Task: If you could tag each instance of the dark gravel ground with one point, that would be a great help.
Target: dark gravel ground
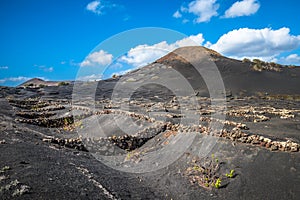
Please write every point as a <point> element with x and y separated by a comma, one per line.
<point>54,172</point>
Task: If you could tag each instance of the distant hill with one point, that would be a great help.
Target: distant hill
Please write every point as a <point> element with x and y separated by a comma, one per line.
<point>37,82</point>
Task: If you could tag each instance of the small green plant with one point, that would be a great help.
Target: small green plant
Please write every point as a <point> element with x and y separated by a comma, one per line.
<point>128,156</point>
<point>78,124</point>
<point>66,121</point>
<point>206,184</point>
<point>114,76</point>
<point>208,174</point>
<point>198,168</point>
<point>257,61</point>
<point>231,174</point>
<point>217,184</point>
<point>272,64</point>
<point>213,158</point>
<point>246,60</point>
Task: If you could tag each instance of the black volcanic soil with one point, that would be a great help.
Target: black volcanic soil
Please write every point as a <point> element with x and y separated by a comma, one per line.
<point>44,157</point>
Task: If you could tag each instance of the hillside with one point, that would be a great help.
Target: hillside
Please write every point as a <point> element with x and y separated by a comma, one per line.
<point>239,77</point>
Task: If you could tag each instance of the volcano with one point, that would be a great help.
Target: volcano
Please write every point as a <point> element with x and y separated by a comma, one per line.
<point>192,125</point>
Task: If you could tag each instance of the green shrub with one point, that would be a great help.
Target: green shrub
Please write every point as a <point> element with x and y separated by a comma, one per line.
<point>257,67</point>
<point>246,60</point>
<point>272,64</point>
<point>231,174</point>
<point>256,60</point>
<point>114,76</point>
<point>63,83</point>
<point>217,183</point>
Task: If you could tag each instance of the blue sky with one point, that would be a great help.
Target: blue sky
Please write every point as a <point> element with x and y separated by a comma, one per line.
<point>52,39</point>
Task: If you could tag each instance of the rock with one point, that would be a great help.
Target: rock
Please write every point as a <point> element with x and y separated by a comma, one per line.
<point>293,169</point>
<point>243,139</point>
<point>268,144</point>
<point>255,141</point>
<point>294,148</point>
<point>47,140</point>
<point>263,144</point>
<point>131,80</point>
<point>267,140</point>
<point>274,147</point>
<point>261,138</point>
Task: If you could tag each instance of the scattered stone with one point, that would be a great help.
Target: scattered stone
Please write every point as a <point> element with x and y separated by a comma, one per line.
<point>293,169</point>
<point>74,143</point>
<point>128,142</point>
<point>22,190</point>
<point>255,141</point>
<point>274,147</point>
<point>2,177</point>
<point>131,80</point>
<point>268,145</point>
<point>294,148</point>
<point>263,144</point>
<point>4,169</point>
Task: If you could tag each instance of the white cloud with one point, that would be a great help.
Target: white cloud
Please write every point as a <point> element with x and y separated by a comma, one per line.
<point>116,66</point>
<point>184,21</point>
<point>193,40</point>
<point>121,72</point>
<point>98,58</point>
<point>46,69</point>
<point>293,59</point>
<point>50,69</point>
<point>126,18</point>
<point>14,79</point>
<point>3,67</point>
<point>177,14</point>
<point>70,62</point>
<point>20,78</point>
<point>143,54</point>
<point>99,6</point>
<point>95,7</point>
<point>242,8</point>
<point>204,10</point>
<point>73,63</point>
<point>93,77</point>
<point>263,43</point>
